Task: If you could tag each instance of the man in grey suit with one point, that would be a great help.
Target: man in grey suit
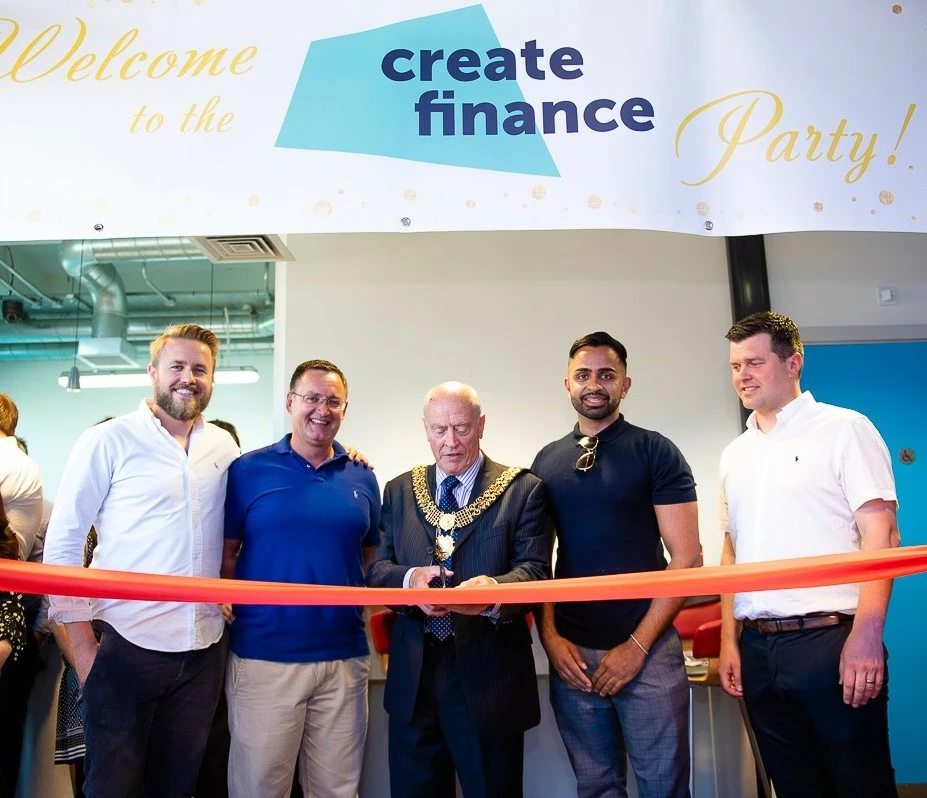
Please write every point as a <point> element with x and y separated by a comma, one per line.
<point>461,688</point>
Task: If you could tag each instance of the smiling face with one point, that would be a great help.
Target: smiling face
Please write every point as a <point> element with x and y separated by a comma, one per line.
<point>454,426</point>
<point>596,381</point>
<point>182,378</point>
<point>764,381</point>
<point>315,421</point>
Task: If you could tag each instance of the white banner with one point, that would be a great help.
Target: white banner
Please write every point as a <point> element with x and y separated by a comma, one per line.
<point>718,117</point>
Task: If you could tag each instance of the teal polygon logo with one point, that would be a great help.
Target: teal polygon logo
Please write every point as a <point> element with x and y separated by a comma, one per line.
<point>343,102</point>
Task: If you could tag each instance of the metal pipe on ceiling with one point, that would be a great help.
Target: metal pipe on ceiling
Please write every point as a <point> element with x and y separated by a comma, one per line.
<point>65,351</point>
<point>71,253</point>
<point>241,324</point>
<point>31,286</point>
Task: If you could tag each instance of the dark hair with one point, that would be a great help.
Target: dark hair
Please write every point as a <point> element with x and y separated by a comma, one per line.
<point>9,543</point>
<point>229,428</point>
<point>601,339</point>
<point>9,415</point>
<point>24,447</point>
<point>785,340</point>
<point>317,365</point>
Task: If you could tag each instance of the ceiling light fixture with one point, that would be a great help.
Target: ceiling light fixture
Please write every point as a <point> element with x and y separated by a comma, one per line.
<point>244,375</point>
<point>71,381</point>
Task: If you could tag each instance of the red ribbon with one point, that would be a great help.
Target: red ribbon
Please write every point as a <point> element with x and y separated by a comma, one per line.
<point>863,566</point>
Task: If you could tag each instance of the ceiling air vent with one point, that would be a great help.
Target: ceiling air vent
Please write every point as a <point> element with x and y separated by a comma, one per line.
<point>244,249</point>
<point>106,353</point>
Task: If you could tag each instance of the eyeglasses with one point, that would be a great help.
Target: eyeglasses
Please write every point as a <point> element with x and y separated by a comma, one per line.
<point>586,460</point>
<point>314,400</point>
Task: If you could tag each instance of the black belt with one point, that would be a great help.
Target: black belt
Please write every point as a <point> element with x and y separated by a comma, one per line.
<point>799,623</point>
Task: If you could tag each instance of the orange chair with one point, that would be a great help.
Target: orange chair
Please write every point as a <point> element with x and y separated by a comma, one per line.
<point>381,629</point>
<point>691,617</point>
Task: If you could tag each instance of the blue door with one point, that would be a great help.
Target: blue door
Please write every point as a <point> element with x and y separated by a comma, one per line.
<point>888,383</point>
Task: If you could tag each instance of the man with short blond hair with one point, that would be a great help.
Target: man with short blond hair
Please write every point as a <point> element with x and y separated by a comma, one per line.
<point>153,484</point>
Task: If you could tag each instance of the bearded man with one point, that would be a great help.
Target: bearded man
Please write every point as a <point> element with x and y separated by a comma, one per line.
<point>153,484</point>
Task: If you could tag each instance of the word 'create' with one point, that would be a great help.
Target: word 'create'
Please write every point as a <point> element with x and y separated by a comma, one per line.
<point>466,65</point>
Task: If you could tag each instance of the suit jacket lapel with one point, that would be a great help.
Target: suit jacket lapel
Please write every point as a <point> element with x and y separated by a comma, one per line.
<point>487,473</point>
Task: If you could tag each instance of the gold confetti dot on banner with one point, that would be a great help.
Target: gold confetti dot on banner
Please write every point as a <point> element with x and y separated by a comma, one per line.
<point>470,203</point>
<point>891,160</point>
<point>818,207</point>
<point>34,215</point>
<point>632,208</point>
<point>91,4</point>
<point>410,194</point>
<point>702,209</point>
<point>539,192</point>
<point>254,200</point>
<point>322,208</point>
<point>166,217</point>
<point>594,201</point>
<point>897,9</point>
<point>886,197</point>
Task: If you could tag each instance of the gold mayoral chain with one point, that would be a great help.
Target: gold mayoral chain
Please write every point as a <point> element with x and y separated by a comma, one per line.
<point>465,515</point>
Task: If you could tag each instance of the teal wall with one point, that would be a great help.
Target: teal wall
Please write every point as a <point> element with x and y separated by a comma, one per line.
<point>888,383</point>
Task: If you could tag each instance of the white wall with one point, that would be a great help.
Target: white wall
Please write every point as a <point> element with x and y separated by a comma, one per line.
<point>50,419</point>
<point>399,313</point>
<point>831,279</point>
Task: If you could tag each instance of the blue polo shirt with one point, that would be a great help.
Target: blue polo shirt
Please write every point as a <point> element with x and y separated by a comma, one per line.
<point>302,525</point>
<point>606,523</point>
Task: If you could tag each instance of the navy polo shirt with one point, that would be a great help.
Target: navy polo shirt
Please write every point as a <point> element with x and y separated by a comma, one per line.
<point>302,525</point>
<point>606,523</point>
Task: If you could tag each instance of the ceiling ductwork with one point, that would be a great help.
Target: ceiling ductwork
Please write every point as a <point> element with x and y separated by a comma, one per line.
<point>243,320</point>
<point>107,292</point>
<point>63,351</point>
<point>141,326</point>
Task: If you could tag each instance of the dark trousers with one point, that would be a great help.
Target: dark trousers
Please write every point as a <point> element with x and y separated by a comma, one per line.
<point>146,718</point>
<point>15,688</point>
<point>424,755</point>
<point>213,778</point>
<point>813,745</point>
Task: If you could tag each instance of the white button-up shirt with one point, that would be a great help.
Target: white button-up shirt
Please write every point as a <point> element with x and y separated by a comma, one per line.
<point>157,509</point>
<point>21,490</point>
<point>793,492</point>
